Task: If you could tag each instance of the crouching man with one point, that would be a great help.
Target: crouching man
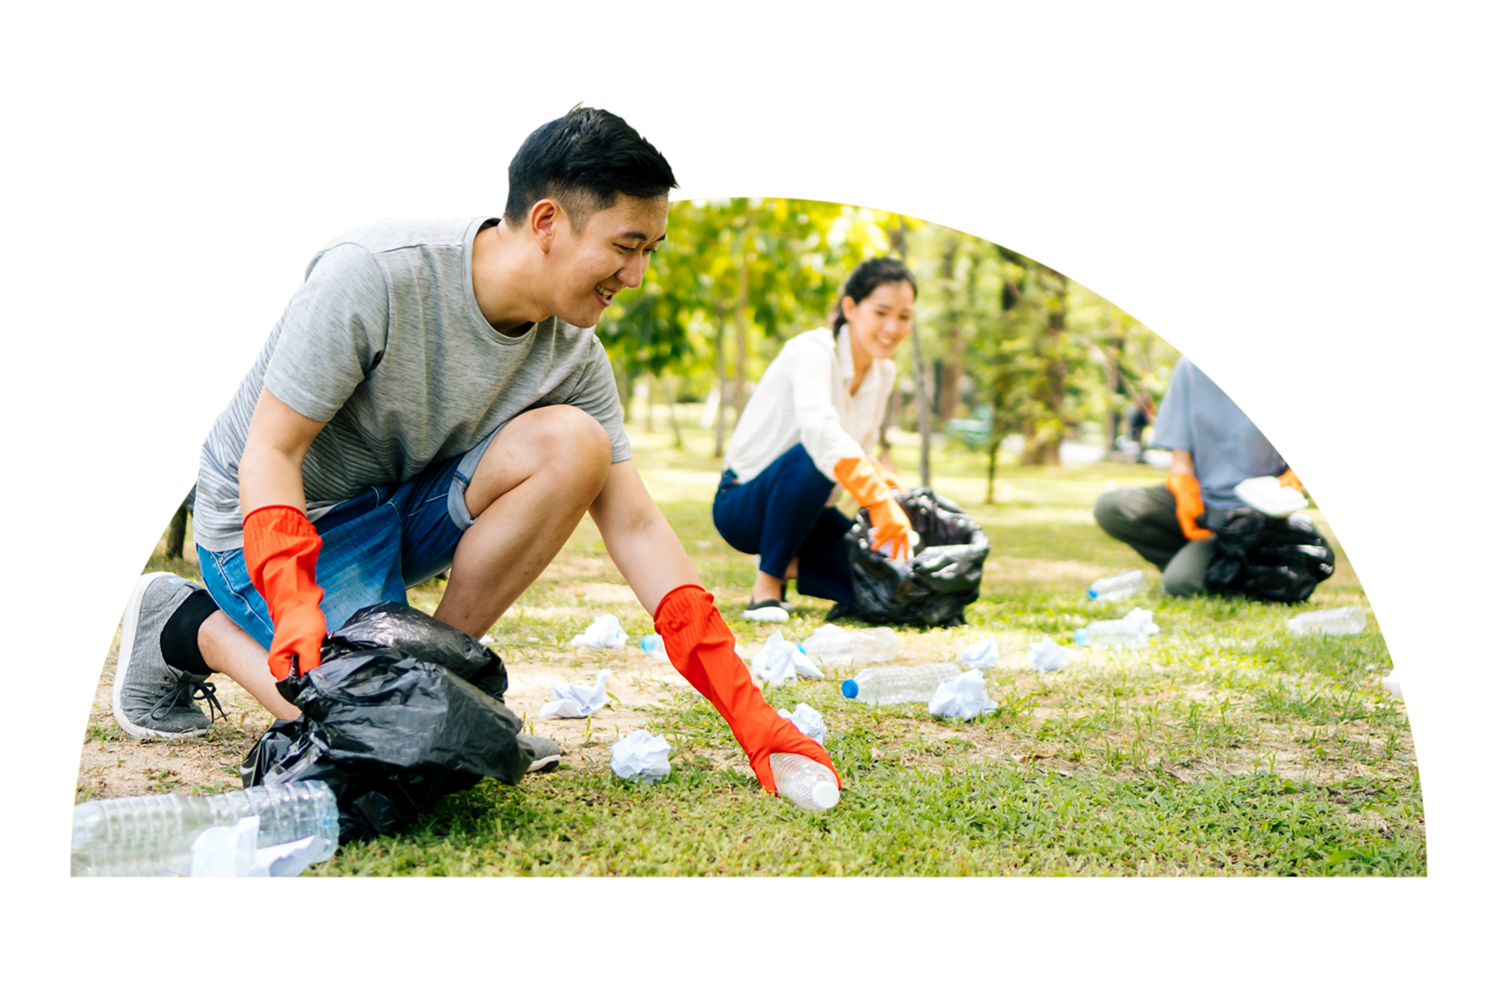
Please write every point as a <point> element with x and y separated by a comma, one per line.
<point>433,398</point>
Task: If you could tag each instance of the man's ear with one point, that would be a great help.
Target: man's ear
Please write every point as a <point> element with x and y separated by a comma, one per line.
<point>546,219</point>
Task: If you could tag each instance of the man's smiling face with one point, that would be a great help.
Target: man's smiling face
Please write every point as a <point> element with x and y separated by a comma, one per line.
<point>610,254</point>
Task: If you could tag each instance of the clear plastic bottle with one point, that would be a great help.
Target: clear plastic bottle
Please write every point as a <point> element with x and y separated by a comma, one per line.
<point>653,644</point>
<point>1117,587</point>
<point>154,834</point>
<point>1335,621</point>
<point>895,685</point>
<point>830,645</point>
<point>1132,631</point>
<point>805,782</point>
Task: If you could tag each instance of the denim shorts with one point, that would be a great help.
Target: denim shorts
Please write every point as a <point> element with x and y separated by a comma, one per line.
<point>375,545</point>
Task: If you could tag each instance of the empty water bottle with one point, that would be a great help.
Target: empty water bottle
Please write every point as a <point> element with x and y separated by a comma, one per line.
<point>154,834</point>
<point>895,685</point>
<point>831,645</point>
<point>804,781</point>
<point>1132,631</point>
<point>652,643</point>
<point>1336,621</point>
<point>1117,587</point>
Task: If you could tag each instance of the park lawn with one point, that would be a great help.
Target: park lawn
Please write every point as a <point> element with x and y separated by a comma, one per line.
<point>1228,746</point>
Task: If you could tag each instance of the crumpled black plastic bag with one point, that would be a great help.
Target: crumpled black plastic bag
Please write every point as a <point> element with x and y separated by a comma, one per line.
<point>1272,559</point>
<point>401,711</point>
<point>941,579</point>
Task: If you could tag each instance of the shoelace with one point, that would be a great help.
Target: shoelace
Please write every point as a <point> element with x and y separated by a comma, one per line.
<point>196,691</point>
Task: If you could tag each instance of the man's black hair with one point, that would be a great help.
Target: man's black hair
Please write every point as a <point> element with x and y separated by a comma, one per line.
<point>584,160</point>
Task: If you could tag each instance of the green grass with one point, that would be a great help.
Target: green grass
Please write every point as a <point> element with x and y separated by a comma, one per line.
<point>1228,746</point>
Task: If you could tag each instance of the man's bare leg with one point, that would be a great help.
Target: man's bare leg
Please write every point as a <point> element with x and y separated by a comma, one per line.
<point>229,650</point>
<point>532,487</point>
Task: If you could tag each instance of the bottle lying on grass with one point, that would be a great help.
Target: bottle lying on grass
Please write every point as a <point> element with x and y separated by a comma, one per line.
<point>1117,587</point>
<point>157,834</point>
<point>896,685</point>
<point>804,782</point>
<point>1132,631</point>
<point>1335,621</point>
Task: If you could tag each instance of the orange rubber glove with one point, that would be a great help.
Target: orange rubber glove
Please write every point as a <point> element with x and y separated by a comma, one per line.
<point>887,476</point>
<point>281,553</point>
<point>700,644</point>
<point>1289,478</point>
<point>1189,505</point>
<point>890,522</point>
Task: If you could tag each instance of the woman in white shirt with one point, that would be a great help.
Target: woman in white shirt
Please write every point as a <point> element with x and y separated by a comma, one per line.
<point>809,428</point>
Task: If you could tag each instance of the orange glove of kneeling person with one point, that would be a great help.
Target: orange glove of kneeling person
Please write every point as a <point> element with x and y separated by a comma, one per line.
<point>1189,505</point>
<point>281,553</point>
<point>1289,478</point>
<point>700,645</point>
<point>889,521</point>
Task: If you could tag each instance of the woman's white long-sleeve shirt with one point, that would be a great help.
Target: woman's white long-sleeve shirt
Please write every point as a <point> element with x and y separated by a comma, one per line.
<point>804,398</point>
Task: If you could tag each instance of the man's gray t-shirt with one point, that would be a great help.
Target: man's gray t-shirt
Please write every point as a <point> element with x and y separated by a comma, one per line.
<point>1227,449</point>
<point>385,342</point>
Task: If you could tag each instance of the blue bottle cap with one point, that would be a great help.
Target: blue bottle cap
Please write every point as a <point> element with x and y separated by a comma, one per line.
<point>1081,636</point>
<point>1093,594</point>
<point>851,688</point>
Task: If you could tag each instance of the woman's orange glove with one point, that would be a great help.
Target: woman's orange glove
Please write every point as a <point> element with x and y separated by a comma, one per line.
<point>1289,478</point>
<point>887,476</point>
<point>700,645</point>
<point>281,553</point>
<point>889,521</point>
<point>1189,505</point>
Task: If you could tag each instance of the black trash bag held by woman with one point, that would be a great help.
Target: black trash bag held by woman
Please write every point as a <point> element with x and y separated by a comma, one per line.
<point>401,710</point>
<point>1273,559</point>
<point>940,580</point>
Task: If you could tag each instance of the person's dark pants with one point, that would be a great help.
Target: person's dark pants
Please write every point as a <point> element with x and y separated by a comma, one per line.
<point>1146,520</point>
<point>783,513</point>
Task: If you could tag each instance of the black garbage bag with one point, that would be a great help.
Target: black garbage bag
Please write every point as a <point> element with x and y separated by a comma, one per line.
<point>1272,559</point>
<point>401,711</point>
<point>941,579</point>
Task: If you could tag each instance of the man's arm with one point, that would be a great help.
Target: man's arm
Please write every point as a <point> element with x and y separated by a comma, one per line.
<point>281,546</point>
<point>698,642</point>
<point>275,445</point>
<point>1182,464</point>
<point>642,544</point>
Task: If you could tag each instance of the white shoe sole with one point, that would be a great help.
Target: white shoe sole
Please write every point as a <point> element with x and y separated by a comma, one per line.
<point>122,665</point>
<point>767,615</point>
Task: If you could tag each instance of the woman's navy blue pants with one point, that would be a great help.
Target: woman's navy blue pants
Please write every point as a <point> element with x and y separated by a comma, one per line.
<point>782,513</point>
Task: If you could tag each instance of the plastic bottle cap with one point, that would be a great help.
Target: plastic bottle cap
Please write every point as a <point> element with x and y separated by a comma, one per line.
<point>851,688</point>
<point>825,794</point>
<point>1081,636</point>
<point>1093,594</point>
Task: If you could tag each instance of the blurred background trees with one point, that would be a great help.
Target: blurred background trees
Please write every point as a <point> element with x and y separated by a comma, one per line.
<point>1017,359</point>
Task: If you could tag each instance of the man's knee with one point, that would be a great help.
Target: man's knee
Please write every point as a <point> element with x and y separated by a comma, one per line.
<point>565,441</point>
<point>1109,512</point>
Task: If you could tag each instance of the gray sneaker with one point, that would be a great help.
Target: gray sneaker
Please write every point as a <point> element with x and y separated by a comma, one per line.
<point>153,700</point>
<point>545,754</point>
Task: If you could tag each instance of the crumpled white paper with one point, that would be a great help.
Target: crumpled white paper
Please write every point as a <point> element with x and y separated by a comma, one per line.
<point>604,633</point>
<point>1048,655</point>
<point>780,661</point>
<point>808,720</point>
<point>981,655</point>
<point>642,756</point>
<point>1140,619</point>
<point>962,698</point>
<point>574,701</point>
<point>231,851</point>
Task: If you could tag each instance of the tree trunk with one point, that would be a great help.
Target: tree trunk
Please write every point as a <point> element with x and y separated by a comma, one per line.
<point>952,371</point>
<point>671,387</point>
<point>1044,437</point>
<point>177,532</point>
<point>650,403</point>
<point>989,488</point>
<point>723,386</point>
<point>924,405</point>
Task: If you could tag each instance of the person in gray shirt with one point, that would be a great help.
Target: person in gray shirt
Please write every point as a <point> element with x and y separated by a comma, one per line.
<point>434,399</point>
<point>1215,447</point>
